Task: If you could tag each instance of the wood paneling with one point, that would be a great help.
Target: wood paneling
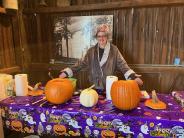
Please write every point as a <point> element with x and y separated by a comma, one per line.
<point>99,4</point>
<point>11,70</point>
<point>148,33</point>
<point>7,50</point>
<point>158,77</point>
<point>102,7</point>
<point>10,51</point>
<point>143,35</point>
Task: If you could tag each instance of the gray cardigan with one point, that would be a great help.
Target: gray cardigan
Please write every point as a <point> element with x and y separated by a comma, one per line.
<point>111,61</point>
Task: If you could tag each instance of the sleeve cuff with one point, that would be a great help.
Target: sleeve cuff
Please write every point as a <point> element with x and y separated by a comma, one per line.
<point>132,76</point>
<point>65,73</point>
<point>128,73</point>
<point>68,72</point>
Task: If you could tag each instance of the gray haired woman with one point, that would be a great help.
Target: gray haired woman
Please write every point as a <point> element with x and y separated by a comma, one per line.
<point>102,60</point>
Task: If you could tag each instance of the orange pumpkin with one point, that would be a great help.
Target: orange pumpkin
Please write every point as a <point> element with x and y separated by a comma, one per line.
<point>58,90</point>
<point>125,94</point>
<point>59,129</point>
<point>16,125</point>
<point>107,134</point>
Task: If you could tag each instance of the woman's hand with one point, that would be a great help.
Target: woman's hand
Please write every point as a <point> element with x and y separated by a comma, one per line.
<point>139,81</point>
<point>62,75</point>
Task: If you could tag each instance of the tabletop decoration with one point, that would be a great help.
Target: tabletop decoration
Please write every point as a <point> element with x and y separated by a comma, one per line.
<point>36,91</point>
<point>89,97</point>
<point>179,96</point>
<point>155,103</point>
<point>125,94</point>
<point>59,91</point>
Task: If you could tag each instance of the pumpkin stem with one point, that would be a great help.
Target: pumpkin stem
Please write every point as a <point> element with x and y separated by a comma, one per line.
<point>37,85</point>
<point>91,86</point>
<point>154,97</point>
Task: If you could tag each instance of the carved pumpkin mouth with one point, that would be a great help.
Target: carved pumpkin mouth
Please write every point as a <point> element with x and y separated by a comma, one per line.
<point>60,131</point>
<point>107,134</point>
<point>16,128</point>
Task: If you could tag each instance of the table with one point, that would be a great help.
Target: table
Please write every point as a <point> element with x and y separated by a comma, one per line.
<point>34,115</point>
<point>1,128</point>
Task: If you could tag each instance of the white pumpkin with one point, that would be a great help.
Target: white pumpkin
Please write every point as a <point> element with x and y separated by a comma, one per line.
<point>88,97</point>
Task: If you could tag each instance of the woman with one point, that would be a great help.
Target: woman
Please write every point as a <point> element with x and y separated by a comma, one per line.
<point>102,60</point>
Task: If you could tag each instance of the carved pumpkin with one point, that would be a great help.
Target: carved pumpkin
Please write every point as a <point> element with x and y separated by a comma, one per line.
<point>155,103</point>
<point>59,91</point>
<point>125,94</point>
<point>59,129</point>
<point>108,134</point>
<point>89,97</point>
<point>16,125</point>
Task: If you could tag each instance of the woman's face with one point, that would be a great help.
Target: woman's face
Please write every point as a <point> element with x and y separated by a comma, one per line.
<point>102,38</point>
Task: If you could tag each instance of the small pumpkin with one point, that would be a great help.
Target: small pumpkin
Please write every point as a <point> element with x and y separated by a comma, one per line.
<point>35,91</point>
<point>125,94</point>
<point>59,129</point>
<point>59,91</point>
<point>89,97</point>
<point>107,134</point>
<point>155,103</point>
<point>16,125</point>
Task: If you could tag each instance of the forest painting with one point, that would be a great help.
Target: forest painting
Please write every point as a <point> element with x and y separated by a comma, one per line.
<point>75,35</point>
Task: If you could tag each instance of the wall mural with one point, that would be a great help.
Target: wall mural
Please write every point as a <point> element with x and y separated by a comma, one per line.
<point>75,35</point>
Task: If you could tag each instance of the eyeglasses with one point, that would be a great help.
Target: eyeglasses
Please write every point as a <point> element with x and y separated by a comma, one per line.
<point>101,36</point>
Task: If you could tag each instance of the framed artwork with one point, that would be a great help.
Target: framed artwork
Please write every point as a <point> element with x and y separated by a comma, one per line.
<point>75,35</point>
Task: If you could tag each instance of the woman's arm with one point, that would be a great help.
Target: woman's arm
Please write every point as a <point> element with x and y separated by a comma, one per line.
<point>68,72</point>
<point>126,70</point>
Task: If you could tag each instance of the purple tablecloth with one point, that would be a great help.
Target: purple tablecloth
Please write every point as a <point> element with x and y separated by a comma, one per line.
<point>26,115</point>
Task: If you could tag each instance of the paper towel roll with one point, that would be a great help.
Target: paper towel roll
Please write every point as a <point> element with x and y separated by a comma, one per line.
<point>109,82</point>
<point>21,85</point>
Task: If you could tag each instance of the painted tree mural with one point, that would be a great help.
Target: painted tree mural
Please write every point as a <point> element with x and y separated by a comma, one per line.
<point>61,32</point>
<point>75,35</point>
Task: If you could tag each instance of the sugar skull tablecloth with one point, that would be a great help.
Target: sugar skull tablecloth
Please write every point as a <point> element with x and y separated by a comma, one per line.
<point>35,115</point>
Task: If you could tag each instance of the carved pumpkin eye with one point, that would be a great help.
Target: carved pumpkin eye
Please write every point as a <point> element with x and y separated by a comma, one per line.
<point>106,123</point>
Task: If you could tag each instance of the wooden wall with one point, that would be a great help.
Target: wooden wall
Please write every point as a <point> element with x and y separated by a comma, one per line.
<point>144,35</point>
<point>7,55</point>
<point>148,33</point>
<point>10,53</point>
<point>53,3</point>
<point>161,78</point>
